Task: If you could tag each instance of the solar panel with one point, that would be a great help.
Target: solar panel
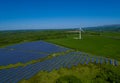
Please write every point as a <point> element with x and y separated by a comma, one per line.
<point>93,60</point>
<point>77,61</point>
<point>106,60</point>
<point>68,61</point>
<point>7,74</point>
<point>83,60</point>
<point>69,65</point>
<point>116,63</point>
<point>32,72</point>
<point>97,60</point>
<point>101,60</point>
<point>25,52</point>
<point>111,61</point>
<point>88,60</point>
<point>14,75</point>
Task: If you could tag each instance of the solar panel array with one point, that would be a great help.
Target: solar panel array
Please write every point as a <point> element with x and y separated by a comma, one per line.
<point>25,52</point>
<point>14,75</point>
<point>38,46</point>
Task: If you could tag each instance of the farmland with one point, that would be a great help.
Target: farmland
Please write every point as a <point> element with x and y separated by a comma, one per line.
<point>94,59</point>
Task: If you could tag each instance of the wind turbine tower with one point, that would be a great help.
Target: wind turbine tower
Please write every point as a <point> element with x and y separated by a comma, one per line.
<point>80,34</point>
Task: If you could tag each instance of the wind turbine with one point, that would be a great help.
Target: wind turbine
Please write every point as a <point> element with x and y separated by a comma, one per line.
<point>80,33</point>
<point>79,30</point>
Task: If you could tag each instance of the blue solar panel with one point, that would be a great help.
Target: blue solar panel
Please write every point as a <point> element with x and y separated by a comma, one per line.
<point>106,60</point>
<point>14,75</point>
<point>111,61</point>
<point>7,74</point>
<point>97,60</point>
<point>33,71</point>
<point>69,66</point>
<point>93,60</point>
<point>116,63</point>
<point>101,60</point>
<point>88,60</point>
<point>28,51</point>
<point>77,60</point>
<point>82,61</point>
<point>39,46</point>
<point>68,61</point>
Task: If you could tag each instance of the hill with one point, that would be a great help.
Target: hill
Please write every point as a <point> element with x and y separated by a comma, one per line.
<point>105,28</point>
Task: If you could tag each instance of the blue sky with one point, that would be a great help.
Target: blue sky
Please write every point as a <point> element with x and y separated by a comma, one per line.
<point>42,14</point>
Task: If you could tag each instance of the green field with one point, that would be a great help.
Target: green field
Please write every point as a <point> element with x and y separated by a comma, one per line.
<point>93,44</point>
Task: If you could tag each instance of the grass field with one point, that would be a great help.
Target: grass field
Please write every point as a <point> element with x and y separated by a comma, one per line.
<point>92,44</point>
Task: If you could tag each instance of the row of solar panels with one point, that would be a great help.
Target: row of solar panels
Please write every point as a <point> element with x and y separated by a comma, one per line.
<point>14,75</point>
<point>28,51</point>
<point>13,59</point>
<point>38,46</point>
